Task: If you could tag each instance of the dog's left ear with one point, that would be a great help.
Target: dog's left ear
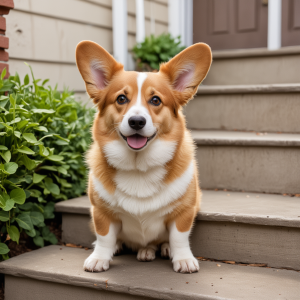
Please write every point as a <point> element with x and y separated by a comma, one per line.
<point>187,70</point>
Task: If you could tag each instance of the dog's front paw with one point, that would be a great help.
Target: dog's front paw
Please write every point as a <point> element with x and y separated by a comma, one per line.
<point>146,254</point>
<point>93,264</point>
<point>189,265</point>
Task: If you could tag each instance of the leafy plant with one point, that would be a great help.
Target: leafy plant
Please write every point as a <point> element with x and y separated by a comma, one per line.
<point>43,134</point>
<point>155,50</point>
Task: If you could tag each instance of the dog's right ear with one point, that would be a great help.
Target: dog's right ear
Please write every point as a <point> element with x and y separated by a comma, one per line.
<point>96,67</point>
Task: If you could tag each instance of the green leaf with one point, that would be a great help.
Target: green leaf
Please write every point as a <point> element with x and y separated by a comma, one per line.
<point>18,196</point>
<point>31,233</point>
<point>62,170</point>
<point>39,241</point>
<point>16,120</point>
<point>6,156</point>
<point>4,216</point>
<point>9,168</point>
<point>38,178</point>
<point>41,128</point>
<point>30,138</point>
<point>52,187</point>
<point>2,76</point>
<point>43,151</point>
<point>17,134</point>
<point>3,148</point>
<point>26,150</point>
<point>29,163</point>
<point>49,168</point>
<point>43,111</point>
<point>14,233</point>
<point>36,217</point>
<point>55,157</point>
<point>3,248</point>
<point>22,124</point>
<point>26,206</point>
<point>26,79</point>
<point>9,204</point>
<point>24,221</point>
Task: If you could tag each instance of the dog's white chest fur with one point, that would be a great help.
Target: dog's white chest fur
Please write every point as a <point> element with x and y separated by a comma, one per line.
<point>141,198</point>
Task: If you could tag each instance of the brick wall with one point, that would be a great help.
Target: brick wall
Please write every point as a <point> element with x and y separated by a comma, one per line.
<point>5,7</point>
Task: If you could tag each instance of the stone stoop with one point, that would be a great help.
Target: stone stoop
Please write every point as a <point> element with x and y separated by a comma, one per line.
<point>243,227</point>
<point>55,272</point>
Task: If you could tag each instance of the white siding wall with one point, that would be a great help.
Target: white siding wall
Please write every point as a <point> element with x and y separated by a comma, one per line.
<point>44,33</point>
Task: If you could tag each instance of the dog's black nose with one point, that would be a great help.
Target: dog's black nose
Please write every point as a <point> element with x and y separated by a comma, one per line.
<point>137,122</point>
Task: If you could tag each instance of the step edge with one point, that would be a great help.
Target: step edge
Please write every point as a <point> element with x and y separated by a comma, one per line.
<point>217,217</point>
<point>255,52</point>
<point>249,219</point>
<point>234,138</point>
<point>248,89</point>
<point>98,285</point>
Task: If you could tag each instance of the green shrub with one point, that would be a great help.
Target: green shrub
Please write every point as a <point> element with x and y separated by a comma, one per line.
<point>43,134</point>
<point>155,50</point>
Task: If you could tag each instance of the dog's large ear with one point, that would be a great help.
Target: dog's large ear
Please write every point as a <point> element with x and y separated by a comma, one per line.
<point>187,70</point>
<point>96,67</point>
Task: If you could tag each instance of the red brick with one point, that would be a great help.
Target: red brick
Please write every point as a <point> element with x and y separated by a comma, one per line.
<point>2,66</point>
<point>3,55</point>
<point>3,42</point>
<point>7,3</point>
<point>2,23</point>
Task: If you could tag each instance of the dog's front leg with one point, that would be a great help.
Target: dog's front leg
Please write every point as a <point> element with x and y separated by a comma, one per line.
<point>182,256</point>
<point>105,246</point>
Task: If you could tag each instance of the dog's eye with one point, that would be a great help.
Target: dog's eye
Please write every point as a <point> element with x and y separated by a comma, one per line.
<point>122,99</point>
<point>155,101</point>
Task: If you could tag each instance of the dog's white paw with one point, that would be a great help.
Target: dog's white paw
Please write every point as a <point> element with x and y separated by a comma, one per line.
<point>165,250</point>
<point>146,254</point>
<point>189,265</point>
<point>93,264</point>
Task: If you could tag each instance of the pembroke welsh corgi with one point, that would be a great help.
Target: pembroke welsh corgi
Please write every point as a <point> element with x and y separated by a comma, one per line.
<point>143,180</point>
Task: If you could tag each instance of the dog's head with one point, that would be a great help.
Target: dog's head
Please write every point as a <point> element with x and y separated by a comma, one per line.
<point>140,107</point>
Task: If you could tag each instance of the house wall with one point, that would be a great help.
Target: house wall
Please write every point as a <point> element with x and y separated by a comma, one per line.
<point>45,33</point>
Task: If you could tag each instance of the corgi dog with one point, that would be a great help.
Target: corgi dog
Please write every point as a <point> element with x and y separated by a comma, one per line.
<point>143,180</point>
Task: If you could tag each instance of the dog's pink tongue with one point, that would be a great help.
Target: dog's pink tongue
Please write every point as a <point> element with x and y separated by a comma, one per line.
<point>136,141</point>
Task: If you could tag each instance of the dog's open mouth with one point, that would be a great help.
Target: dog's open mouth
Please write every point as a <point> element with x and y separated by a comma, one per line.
<point>137,141</point>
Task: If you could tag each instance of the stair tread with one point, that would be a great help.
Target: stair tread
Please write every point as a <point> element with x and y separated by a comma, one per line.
<point>250,208</point>
<point>249,89</point>
<point>156,279</point>
<point>220,137</point>
<point>255,52</point>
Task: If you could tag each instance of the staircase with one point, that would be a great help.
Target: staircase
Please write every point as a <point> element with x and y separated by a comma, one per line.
<point>245,121</point>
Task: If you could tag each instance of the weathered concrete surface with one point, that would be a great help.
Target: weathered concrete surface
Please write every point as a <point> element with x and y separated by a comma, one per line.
<point>250,208</point>
<point>254,67</point>
<point>80,205</point>
<point>228,228</point>
<point>272,245</point>
<point>76,229</point>
<point>156,279</point>
<point>256,169</point>
<point>234,108</point>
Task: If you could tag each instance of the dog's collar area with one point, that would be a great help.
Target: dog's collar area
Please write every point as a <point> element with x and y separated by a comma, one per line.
<point>148,139</point>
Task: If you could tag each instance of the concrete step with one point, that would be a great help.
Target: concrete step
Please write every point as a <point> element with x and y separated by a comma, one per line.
<point>244,227</point>
<point>255,66</point>
<point>267,108</point>
<point>56,272</point>
<point>248,161</point>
